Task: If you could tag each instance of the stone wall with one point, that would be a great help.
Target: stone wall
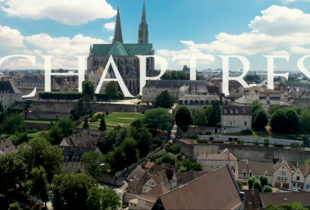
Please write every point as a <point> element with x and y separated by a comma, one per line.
<point>38,126</point>
<point>245,152</point>
<point>195,130</point>
<point>61,109</point>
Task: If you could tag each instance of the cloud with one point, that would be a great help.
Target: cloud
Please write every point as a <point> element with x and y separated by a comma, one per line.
<point>109,26</point>
<point>71,12</point>
<point>278,27</point>
<point>21,63</point>
<point>10,38</point>
<point>28,52</point>
<point>111,38</point>
<point>299,50</point>
<point>63,46</point>
<point>280,52</point>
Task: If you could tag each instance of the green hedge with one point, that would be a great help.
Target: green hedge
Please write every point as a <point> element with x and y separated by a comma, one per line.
<point>65,95</point>
<point>292,137</point>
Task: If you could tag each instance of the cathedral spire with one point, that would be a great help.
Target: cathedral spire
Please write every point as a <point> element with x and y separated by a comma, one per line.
<point>118,29</point>
<point>143,28</point>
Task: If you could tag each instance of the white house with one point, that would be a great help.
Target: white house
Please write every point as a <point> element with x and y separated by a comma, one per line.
<point>236,118</point>
<point>282,175</point>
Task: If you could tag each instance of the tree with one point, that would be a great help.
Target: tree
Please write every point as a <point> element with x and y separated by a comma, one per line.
<point>189,165</point>
<point>111,89</point>
<point>86,124</point>
<point>68,127</point>
<point>14,206</point>
<point>260,120</point>
<point>110,199</point>
<point>88,88</point>
<point>239,184</point>
<point>103,126</point>
<point>263,180</point>
<point>273,109</point>
<point>166,158</point>
<point>117,159</point>
<point>215,115</point>
<point>121,135</point>
<point>71,190</point>
<point>267,188</point>
<point>91,162</point>
<point>105,143</point>
<point>145,141</point>
<point>286,206</point>
<point>129,146</point>
<point>292,119</point>
<point>37,186</point>
<point>251,181</point>
<point>94,199</point>
<point>257,185</point>
<point>1,113</point>
<point>39,152</point>
<point>74,114</point>
<point>13,172</point>
<point>158,118</point>
<point>183,116</point>
<point>278,121</point>
<point>200,118</point>
<point>164,100</point>
<point>304,121</point>
<point>13,123</point>
<point>55,135</point>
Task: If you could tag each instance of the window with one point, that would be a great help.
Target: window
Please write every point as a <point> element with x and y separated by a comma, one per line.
<point>297,178</point>
<point>231,111</point>
<point>243,110</point>
<point>244,174</point>
<point>245,123</point>
<point>283,173</point>
<point>225,111</point>
<point>250,174</point>
<point>236,111</point>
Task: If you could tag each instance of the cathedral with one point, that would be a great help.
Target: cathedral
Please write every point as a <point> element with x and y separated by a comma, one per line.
<point>124,56</point>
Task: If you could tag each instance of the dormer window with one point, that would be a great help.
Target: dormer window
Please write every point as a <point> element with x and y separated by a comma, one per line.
<point>243,110</point>
<point>225,111</point>
<point>236,111</point>
<point>231,111</point>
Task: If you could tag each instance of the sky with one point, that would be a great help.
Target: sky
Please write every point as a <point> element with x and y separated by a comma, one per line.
<point>64,29</point>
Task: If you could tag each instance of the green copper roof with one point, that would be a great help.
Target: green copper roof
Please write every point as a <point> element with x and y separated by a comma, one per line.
<point>130,49</point>
<point>118,49</point>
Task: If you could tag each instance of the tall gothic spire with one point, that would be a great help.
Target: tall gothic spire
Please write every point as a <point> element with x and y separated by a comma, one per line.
<point>143,28</point>
<point>118,29</point>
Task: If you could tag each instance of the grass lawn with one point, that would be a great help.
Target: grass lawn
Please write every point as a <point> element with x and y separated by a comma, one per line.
<point>33,135</point>
<point>113,119</point>
<point>40,121</point>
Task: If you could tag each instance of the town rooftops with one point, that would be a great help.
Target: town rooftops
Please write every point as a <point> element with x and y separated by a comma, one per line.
<point>136,176</point>
<point>189,176</point>
<point>153,194</point>
<point>285,197</point>
<point>175,84</point>
<point>225,155</point>
<point>80,139</point>
<point>236,110</point>
<point>305,169</point>
<point>74,153</point>
<point>255,167</point>
<point>8,87</point>
<point>216,190</point>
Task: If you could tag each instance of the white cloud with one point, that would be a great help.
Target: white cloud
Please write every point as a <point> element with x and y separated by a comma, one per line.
<point>280,52</point>
<point>111,38</point>
<point>28,52</point>
<point>109,26</point>
<point>63,46</point>
<point>72,12</point>
<point>10,38</point>
<point>299,50</point>
<point>21,63</point>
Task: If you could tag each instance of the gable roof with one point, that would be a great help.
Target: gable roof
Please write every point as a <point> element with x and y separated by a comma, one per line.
<point>130,49</point>
<point>305,169</point>
<point>285,197</point>
<point>225,155</point>
<point>8,87</point>
<point>252,200</point>
<point>189,176</point>
<point>236,110</point>
<point>75,153</point>
<point>136,176</point>
<point>153,194</point>
<point>118,49</point>
<point>260,168</point>
<point>216,190</point>
<point>80,139</point>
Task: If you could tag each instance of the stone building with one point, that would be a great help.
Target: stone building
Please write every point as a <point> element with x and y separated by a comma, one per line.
<point>124,56</point>
<point>236,118</point>
<point>9,94</point>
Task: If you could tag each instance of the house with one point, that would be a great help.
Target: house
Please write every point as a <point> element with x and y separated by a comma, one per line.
<point>298,179</point>
<point>285,197</point>
<point>155,87</point>
<point>252,199</point>
<point>79,139</point>
<point>170,171</point>
<point>282,174</point>
<point>136,180</point>
<point>216,190</point>
<point>72,157</point>
<point>154,180</point>
<point>7,147</point>
<point>194,102</point>
<point>300,102</point>
<point>147,199</point>
<point>9,94</point>
<point>305,170</point>
<point>248,169</point>
<point>236,118</point>
<point>211,162</point>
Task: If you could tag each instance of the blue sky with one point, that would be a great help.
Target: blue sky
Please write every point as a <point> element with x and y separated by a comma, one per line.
<point>176,27</point>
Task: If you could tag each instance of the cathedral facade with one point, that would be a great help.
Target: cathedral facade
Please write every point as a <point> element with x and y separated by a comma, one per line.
<point>124,56</point>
